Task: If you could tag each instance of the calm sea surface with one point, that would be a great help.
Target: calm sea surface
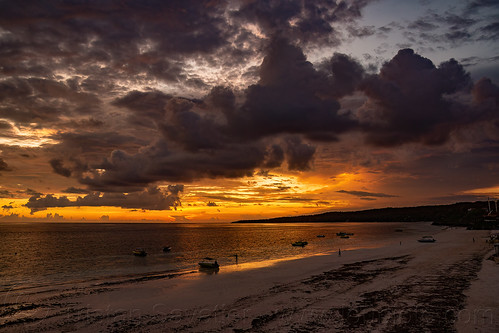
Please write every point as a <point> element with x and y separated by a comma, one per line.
<point>40,254</point>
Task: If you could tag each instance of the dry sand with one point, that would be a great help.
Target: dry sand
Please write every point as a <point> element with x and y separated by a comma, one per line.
<point>413,287</point>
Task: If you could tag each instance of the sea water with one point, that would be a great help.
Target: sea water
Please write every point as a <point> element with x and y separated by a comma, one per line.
<point>43,254</point>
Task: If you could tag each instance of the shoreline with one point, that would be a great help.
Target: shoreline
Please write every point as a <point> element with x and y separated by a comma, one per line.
<point>381,289</point>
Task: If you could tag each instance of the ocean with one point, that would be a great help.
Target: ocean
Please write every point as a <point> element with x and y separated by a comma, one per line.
<point>43,254</point>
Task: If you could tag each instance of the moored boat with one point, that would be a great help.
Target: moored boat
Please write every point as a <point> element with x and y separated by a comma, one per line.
<point>209,263</point>
<point>427,239</point>
<point>344,233</point>
<point>139,252</point>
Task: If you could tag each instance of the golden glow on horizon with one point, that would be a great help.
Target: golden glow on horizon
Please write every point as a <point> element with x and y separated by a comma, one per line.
<point>494,190</point>
<point>261,196</point>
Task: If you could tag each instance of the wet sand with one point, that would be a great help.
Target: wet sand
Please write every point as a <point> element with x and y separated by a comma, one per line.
<point>408,287</point>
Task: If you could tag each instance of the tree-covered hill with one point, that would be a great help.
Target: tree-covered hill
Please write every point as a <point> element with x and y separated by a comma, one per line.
<point>466,214</point>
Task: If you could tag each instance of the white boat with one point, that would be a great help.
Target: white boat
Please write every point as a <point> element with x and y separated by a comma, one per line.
<point>208,263</point>
<point>427,239</point>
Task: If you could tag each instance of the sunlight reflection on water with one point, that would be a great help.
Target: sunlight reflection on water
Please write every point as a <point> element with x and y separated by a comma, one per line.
<point>46,253</point>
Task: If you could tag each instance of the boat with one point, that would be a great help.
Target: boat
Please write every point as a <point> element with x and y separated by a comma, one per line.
<point>139,252</point>
<point>209,263</point>
<point>427,239</point>
<point>321,236</point>
<point>344,233</point>
<point>167,248</point>
<point>300,243</point>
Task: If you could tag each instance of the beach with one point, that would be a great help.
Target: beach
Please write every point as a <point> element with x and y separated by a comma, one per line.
<point>406,286</point>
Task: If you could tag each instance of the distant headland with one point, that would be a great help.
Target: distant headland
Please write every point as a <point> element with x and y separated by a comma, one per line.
<point>463,214</point>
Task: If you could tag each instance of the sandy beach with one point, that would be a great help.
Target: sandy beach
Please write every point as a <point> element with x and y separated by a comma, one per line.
<point>444,286</point>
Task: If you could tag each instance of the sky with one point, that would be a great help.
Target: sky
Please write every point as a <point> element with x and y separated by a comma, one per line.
<point>211,110</point>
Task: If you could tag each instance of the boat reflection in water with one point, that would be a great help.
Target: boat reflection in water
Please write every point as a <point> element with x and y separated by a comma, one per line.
<point>209,271</point>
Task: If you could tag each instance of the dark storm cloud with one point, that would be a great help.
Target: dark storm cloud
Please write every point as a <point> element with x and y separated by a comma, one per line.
<point>131,172</point>
<point>307,22</point>
<point>475,5</point>
<point>152,198</point>
<point>93,71</point>
<point>42,100</point>
<point>486,92</point>
<point>408,102</point>
<point>4,166</point>
<point>189,129</point>
<point>31,192</point>
<point>59,168</point>
<point>275,157</point>
<point>218,137</point>
<point>294,97</point>
<point>299,155</point>
<point>75,190</point>
<point>132,37</point>
<point>490,31</point>
<point>367,195</point>
<point>74,143</point>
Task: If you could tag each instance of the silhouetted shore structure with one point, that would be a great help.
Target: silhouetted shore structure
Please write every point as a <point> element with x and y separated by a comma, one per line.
<point>462,214</point>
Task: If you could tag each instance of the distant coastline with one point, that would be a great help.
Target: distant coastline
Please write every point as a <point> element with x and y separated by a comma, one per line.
<point>464,214</point>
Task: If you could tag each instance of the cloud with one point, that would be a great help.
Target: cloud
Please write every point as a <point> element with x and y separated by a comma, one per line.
<point>490,31</point>
<point>367,195</point>
<point>4,166</point>
<point>274,157</point>
<point>75,190</point>
<point>407,100</point>
<point>309,22</point>
<point>217,136</point>
<point>280,118</point>
<point>134,41</point>
<point>54,217</point>
<point>28,100</point>
<point>5,194</point>
<point>123,172</point>
<point>178,91</point>
<point>481,4</point>
<point>299,154</point>
<point>153,198</point>
<point>293,97</point>
<point>59,168</point>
